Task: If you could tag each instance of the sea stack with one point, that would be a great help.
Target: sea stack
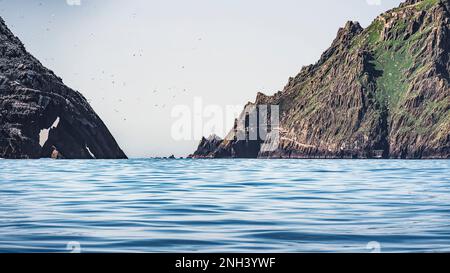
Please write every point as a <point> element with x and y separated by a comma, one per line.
<point>377,92</point>
<point>39,113</point>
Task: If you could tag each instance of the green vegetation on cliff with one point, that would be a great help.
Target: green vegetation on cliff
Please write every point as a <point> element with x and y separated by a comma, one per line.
<point>382,91</point>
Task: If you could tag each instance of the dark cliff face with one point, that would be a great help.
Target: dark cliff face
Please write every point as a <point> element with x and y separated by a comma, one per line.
<point>33,98</point>
<point>206,146</point>
<point>377,92</point>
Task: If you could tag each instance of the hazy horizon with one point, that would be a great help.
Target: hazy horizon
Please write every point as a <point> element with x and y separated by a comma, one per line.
<point>135,62</point>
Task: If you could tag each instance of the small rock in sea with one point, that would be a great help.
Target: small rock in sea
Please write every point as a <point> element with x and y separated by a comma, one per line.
<point>56,154</point>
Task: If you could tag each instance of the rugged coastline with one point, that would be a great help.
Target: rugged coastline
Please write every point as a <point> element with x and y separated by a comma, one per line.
<point>39,114</point>
<point>377,92</point>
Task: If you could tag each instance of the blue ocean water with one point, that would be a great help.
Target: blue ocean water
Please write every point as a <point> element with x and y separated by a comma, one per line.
<point>224,206</point>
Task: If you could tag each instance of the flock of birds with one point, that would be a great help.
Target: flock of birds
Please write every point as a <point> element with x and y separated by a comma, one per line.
<point>172,92</point>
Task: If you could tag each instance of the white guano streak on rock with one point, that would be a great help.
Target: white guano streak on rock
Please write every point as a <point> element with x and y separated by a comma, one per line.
<point>43,135</point>
<point>89,151</point>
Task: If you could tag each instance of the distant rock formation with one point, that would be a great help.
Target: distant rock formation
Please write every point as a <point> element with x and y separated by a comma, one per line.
<point>38,112</point>
<point>207,146</point>
<point>379,92</point>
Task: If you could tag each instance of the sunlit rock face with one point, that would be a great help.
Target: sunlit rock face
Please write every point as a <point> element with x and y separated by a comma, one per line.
<point>379,92</point>
<point>39,113</point>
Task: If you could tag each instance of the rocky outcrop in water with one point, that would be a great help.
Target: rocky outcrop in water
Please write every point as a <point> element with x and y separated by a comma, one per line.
<point>206,146</point>
<point>378,92</point>
<point>39,113</point>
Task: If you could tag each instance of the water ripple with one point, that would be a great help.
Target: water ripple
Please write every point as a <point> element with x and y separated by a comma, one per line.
<point>144,205</point>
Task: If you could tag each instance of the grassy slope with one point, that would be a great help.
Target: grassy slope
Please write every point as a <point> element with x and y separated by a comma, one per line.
<point>398,61</point>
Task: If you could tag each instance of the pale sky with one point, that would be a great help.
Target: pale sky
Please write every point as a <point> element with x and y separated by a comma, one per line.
<point>135,60</point>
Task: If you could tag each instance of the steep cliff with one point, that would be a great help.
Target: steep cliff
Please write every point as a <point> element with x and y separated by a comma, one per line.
<point>39,113</point>
<point>379,92</point>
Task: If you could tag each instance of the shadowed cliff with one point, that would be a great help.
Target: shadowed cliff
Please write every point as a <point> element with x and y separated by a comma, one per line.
<point>33,99</point>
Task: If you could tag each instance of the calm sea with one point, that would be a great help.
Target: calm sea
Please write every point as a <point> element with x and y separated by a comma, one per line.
<point>224,206</point>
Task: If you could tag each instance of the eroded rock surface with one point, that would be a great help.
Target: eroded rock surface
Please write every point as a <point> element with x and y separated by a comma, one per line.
<point>379,92</point>
<point>32,99</point>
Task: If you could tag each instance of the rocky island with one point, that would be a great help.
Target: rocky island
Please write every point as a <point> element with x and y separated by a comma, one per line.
<point>39,114</point>
<point>377,92</point>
